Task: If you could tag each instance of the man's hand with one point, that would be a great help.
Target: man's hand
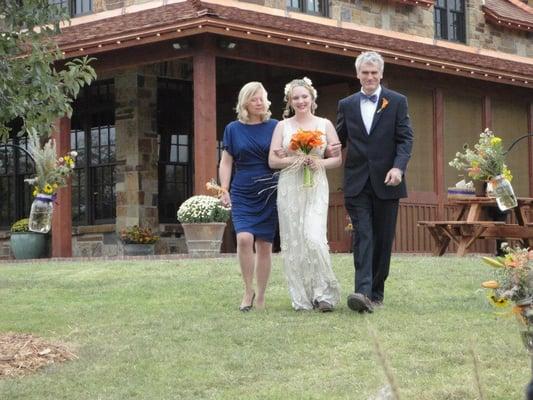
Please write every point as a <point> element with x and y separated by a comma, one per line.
<point>333,150</point>
<point>393,177</point>
<point>281,153</point>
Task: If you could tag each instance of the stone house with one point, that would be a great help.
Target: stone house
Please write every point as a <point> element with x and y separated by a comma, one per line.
<point>148,130</point>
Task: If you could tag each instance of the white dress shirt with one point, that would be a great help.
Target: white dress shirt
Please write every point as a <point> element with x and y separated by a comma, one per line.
<point>368,109</point>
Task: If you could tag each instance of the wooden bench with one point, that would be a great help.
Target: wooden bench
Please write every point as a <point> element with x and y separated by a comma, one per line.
<point>462,233</point>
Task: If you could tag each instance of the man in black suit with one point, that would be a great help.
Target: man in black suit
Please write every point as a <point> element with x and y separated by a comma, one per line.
<point>374,126</point>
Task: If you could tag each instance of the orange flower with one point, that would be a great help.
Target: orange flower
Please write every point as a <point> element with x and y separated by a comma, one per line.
<point>306,141</point>
<point>384,104</point>
<point>490,285</point>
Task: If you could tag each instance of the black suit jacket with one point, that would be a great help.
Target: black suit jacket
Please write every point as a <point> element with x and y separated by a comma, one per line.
<point>372,155</point>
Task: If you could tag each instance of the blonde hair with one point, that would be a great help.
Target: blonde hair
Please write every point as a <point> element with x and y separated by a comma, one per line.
<point>245,94</point>
<point>305,83</point>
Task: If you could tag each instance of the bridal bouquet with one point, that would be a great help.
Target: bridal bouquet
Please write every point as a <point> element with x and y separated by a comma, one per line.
<point>305,141</point>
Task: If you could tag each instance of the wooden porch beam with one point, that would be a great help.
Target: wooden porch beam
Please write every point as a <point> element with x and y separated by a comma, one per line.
<point>487,113</point>
<point>530,146</point>
<point>62,218</point>
<point>438,150</point>
<point>205,119</point>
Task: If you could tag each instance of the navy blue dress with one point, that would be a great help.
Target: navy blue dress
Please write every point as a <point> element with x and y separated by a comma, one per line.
<point>253,186</point>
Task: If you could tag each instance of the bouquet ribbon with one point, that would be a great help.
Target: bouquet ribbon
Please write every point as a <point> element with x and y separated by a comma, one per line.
<point>308,173</point>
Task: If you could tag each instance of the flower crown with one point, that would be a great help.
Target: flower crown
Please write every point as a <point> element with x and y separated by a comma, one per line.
<point>307,81</point>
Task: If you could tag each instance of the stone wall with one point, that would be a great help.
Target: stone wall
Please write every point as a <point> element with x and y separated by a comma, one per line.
<point>136,187</point>
<point>390,15</point>
<point>419,20</point>
<point>486,36</point>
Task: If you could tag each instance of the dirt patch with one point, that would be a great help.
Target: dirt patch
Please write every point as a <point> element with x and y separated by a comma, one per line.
<point>23,353</point>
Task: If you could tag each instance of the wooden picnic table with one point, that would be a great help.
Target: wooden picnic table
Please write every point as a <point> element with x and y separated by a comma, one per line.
<point>468,225</point>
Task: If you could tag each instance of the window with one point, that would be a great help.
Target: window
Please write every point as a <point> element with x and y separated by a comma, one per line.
<point>75,7</point>
<point>92,135</point>
<point>450,20</point>
<point>174,127</point>
<point>15,194</point>
<point>317,7</point>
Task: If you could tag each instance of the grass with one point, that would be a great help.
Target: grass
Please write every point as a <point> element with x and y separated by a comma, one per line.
<point>172,330</point>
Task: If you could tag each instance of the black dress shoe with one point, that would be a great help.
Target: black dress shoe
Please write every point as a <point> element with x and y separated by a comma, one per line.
<point>247,308</point>
<point>359,302</point>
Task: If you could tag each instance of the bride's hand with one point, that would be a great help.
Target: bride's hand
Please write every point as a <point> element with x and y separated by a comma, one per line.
<point>312,163</point>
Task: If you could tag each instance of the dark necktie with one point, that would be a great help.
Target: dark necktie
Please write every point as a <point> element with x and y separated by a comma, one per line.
<point>373,98</point>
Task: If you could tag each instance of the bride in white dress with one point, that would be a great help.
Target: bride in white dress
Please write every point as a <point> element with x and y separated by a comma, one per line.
<point>303,211</point>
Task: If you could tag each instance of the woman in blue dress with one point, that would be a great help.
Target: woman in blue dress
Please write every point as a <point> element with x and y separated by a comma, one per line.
<point>253,205</point>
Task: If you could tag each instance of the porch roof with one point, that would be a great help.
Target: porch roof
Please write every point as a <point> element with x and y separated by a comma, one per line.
<point>153,22</point>
<point>510,14</point>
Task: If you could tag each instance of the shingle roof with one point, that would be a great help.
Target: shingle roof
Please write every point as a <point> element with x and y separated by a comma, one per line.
<point>194,12</point>
<point>512,14</point>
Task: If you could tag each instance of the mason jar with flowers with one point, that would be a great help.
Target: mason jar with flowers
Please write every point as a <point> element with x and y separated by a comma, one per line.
<point>486,163</point>
<point>203,219</point>
<point>51,174</point>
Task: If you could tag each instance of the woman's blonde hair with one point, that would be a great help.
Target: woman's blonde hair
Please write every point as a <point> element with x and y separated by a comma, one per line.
<point>306,83</point>
<point>246,93</point>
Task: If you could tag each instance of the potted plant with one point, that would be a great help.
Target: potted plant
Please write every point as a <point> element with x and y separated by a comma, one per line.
<point>138,241</point>
<point>486,163</point>
<point>26,244</point>
<point>203,219</point>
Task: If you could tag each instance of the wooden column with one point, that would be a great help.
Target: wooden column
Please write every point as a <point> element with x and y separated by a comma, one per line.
<point>205,114</point>
<point>530,146</point>
<point>438,150</point>
<point>487,113</point>
<point>62,219</point>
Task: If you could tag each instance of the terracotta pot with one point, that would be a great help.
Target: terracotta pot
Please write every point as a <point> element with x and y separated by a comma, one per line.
<point>204,239</point>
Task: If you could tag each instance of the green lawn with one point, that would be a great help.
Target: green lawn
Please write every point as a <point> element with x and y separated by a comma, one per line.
<point>172,330</point>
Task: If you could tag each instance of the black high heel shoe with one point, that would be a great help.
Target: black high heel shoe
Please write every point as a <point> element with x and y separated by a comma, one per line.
<point>248,308</point>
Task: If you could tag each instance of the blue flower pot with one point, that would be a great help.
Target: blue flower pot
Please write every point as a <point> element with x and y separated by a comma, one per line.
<point>26,245</point>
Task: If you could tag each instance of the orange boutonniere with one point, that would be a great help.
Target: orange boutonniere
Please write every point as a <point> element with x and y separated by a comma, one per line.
<point>384,104</point>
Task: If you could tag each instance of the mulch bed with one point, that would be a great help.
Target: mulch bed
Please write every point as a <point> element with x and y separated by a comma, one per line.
<point>23,353</point>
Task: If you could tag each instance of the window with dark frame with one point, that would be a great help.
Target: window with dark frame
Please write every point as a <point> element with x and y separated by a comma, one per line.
<point>15,194</point>
<point>450,20</point>
<point>316,7</point>
<point>174,127</point>
<point>75,7</point>
<point>93,137</point>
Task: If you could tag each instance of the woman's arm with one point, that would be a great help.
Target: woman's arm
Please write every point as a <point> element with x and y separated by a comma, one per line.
<point>224,173</point>
<point>275,161</point>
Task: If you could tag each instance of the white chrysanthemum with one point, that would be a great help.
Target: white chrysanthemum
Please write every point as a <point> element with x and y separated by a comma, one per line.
<point>201,208</point>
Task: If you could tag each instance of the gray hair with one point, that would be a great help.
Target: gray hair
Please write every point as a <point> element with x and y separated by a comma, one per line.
<point>370,57</point>
<point>247,92</point>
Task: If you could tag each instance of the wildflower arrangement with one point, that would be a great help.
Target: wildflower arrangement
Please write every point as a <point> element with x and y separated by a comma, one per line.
<point>485,161</point>
<point>51,172</point>
<point>513,283</point>
<point>138,235</point>
<point>202,209</point>
<point>305,141</point>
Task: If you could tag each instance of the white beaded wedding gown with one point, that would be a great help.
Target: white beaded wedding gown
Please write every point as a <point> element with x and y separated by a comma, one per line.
<point>303,213</point>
